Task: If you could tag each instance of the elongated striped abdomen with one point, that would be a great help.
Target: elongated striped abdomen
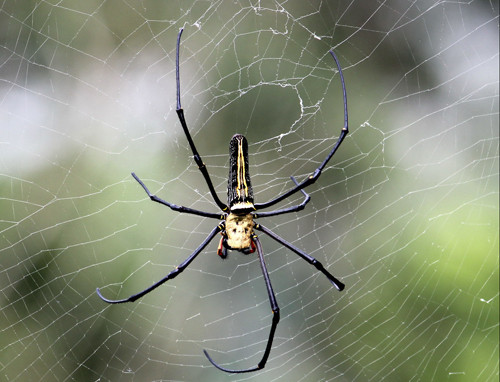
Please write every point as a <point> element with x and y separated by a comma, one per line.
<point>239,187</point>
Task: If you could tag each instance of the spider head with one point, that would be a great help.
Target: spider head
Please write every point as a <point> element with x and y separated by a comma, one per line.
<point>239,187</point>
<point>239,230</point>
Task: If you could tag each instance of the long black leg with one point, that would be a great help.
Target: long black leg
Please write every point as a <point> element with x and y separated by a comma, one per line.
<point>170,276</point>
<point>175,207</point>
<point>311,260</point>
<point>296,208</point>
<point>315,175</point>
<point>276,317</point>
<point>180,114</point>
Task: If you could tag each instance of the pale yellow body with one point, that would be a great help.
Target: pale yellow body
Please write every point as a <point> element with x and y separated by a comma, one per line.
<point>239,229</point>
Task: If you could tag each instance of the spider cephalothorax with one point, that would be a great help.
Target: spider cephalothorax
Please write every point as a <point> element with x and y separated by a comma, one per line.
<point>237,217</point>
<point>237,234</point>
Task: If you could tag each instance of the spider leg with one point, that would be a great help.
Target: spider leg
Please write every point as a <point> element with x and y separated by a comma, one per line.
<point>315,175</point>
<point>170,276</point>
<point>296,208</point>
<point>175,207</point>
<point>180,114</point>
<point>276,318</point>
<point>311,260</point>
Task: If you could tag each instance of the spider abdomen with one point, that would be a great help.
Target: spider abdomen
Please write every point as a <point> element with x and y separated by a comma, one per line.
<point>239,230</point>
<point>239,187</point>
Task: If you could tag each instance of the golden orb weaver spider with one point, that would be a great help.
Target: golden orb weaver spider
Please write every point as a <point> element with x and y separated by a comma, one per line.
<point>237,218</point>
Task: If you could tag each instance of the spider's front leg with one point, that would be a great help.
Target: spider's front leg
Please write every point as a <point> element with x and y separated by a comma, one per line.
<point>181,267</point>
<point>274,308</point>
<point>311,260</point>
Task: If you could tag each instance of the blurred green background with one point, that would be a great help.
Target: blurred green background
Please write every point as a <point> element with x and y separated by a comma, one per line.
<point>406,213</point>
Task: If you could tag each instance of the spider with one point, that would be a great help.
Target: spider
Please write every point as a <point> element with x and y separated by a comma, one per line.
<point>237,226</point>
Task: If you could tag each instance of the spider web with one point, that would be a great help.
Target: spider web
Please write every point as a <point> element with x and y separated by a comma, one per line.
<point>406,212</point>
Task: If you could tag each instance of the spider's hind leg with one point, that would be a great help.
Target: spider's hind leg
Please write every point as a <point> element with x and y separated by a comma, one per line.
<point>298,207</point>
<point>315,175</point>
<point>175,207</point>
<point>182,119</point>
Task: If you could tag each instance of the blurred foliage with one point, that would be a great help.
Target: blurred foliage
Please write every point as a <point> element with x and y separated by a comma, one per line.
<point>406,213</point>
